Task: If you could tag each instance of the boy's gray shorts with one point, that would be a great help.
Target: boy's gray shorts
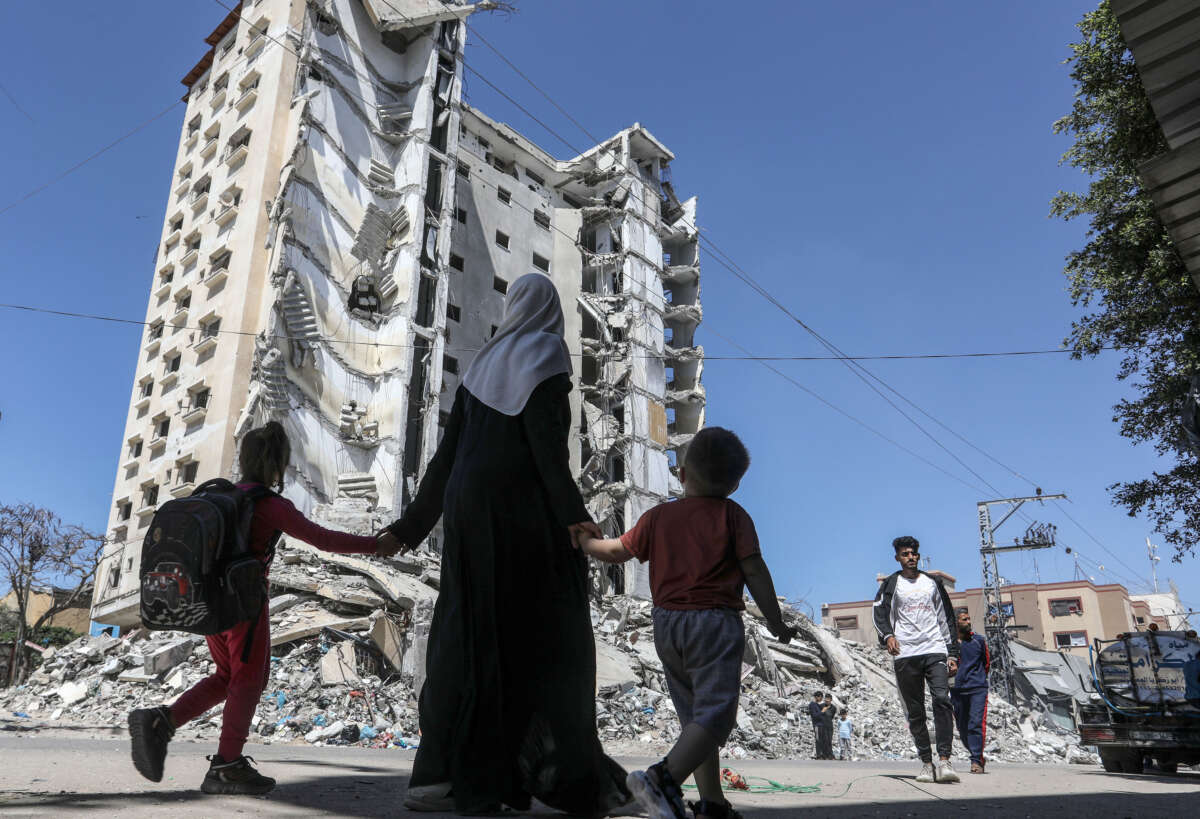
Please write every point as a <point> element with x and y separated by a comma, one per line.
<point>701,653</point>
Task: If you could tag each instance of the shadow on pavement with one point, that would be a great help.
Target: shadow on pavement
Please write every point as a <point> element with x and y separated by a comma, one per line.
<point>381,794</point>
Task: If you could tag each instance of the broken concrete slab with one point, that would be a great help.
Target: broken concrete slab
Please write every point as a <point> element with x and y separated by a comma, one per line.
<point>307,623</point>
<point>401,589</point>
<point>72,692</point>
<point>612,667</point>
<point>388,638</point>
<point>338,666</point>
<point>283,602</point>
<point>168,656</point>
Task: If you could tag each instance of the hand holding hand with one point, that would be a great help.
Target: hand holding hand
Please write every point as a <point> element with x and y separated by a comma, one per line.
<point>893,646</point>
<point>583,529</point>
<point>387,545</point>
<point>952,666</point>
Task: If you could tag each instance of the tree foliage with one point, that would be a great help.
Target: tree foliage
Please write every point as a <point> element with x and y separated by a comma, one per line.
<point>38,551</point>
<point>1129,279</point>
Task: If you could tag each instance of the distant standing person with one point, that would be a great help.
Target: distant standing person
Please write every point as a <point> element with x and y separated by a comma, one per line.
<point>828,712</point>
<point>818,724</point>
<point>969,695</point>
<point>845,733</point>
<point>913,616</point>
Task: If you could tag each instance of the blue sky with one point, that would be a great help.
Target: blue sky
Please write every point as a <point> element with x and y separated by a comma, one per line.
<point>884,169</point>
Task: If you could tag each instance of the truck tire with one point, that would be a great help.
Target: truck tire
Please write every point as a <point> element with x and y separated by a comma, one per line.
<point>1167,767</point>
<point>1121,760</point>
<point>1110,758</point>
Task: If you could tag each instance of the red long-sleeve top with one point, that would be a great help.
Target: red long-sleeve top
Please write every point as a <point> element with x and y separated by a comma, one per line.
<point>278,514</point>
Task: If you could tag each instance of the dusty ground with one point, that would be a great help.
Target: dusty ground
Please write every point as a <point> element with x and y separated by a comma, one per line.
<point>73,775</point>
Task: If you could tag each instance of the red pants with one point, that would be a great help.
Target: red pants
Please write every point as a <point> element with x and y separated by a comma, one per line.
<point>238,684</point>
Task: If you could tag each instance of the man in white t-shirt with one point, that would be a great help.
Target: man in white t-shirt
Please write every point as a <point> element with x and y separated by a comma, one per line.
<point>914,618</point>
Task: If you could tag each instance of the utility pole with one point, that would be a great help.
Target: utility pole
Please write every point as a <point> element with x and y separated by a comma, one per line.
<point>1150,550</point>
<point>996,625</point>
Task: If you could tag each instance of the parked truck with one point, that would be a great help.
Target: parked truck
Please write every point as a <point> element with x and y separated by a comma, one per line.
<point>1146,701</point>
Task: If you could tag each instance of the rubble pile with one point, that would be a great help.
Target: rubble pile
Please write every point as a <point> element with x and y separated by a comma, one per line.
<point>348,647</point>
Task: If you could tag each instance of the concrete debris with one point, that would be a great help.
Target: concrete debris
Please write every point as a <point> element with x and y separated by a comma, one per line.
<point>349,640</point>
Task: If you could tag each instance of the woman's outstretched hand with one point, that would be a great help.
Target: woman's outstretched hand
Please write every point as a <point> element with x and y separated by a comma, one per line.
<point>387,545</point>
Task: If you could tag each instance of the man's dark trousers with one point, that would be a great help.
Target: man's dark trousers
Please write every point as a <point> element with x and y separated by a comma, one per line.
<point>970,715</point>
<point>912,675</point>
<point>818,730</point>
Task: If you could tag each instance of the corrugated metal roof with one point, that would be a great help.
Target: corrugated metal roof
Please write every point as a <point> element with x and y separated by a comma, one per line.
<point>1164,37</point>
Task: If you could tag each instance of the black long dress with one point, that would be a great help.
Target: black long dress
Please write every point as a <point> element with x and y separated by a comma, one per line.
<point>508,710</point>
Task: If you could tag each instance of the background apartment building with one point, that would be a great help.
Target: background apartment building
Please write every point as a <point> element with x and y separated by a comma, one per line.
<point>339,236</point>
<point>1064,616</point>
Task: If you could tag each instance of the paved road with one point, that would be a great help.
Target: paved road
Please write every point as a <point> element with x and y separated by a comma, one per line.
<point>72,776</point>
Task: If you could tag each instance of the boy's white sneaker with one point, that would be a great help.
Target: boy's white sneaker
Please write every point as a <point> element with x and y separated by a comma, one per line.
<point>926,774</point>
<point>945,771</point>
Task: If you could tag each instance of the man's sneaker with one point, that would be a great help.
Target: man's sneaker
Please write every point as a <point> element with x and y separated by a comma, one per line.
<point>713,810</point>
<point>976,768</point>
<point>926,774</point>
<point>657,792</point>
<point>236,776</point>
<point>944,771</point>
<point>150,729</point>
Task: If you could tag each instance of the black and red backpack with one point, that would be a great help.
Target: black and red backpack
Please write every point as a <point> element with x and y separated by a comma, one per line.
<point>198,573</point>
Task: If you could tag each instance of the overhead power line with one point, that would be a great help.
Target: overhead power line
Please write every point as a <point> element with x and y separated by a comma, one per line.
<point>893,357</point>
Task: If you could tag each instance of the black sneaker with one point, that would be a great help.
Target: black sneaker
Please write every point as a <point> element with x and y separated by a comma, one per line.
<point>150,729</point>
<point>713,810</point>
<point>657,792</point>
<point>237,776</point>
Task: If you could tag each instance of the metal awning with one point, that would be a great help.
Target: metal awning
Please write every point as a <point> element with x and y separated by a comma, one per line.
<point>1164,37</point>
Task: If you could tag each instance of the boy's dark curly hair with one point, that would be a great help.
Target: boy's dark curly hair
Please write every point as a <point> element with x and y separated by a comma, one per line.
<point>715,462</point>
<point>906,542</point>
<point>264,455</point>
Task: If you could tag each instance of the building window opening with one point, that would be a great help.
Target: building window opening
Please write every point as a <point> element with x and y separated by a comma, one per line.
<point>541,263</point>
<point>364,295</point>
<point>450,364</point>
<point>147,389</point>
<point>187,474</point>
<point>845,623</point>
<point>126,511</point>
<point>464,170</point>
<point>173,363</point>
<point>456,262</point>
<point>541,219</point>
<point>533,177</point>
<point>162,428</point>
<point>150,496</point>
<point>135,449</point>
<point>200,398</point>
<point>426,289</point>
<point>1063,607</point>
<point>1070,639</point>
<point>502,239</point>
<point>499,285</point>
<point>177,224</point>
<point>453,312</point>
<point>461,215</point>
<point>504,195</point>
<point>494,329</point>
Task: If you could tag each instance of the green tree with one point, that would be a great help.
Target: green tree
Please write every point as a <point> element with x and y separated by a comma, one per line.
<point>1129,279</point>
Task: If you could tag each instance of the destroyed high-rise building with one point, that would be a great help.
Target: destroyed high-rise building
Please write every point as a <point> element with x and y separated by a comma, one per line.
<point>339,236</point>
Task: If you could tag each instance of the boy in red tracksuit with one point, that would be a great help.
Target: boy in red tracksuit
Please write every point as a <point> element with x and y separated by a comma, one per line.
<point>239,682</point>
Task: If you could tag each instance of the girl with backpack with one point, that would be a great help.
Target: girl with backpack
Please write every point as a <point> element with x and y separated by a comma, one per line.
<point>242,671</point>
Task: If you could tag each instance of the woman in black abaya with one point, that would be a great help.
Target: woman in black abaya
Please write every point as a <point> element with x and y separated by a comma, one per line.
<point>508,709</point>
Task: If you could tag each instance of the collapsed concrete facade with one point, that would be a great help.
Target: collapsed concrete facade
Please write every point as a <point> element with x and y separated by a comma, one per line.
<point>341,230</point>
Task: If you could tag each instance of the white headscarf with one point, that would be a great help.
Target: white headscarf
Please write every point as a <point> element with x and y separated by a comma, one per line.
<point>527,349</point>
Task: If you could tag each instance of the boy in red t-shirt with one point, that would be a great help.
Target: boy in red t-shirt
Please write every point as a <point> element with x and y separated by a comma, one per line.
<point>702,551</point>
